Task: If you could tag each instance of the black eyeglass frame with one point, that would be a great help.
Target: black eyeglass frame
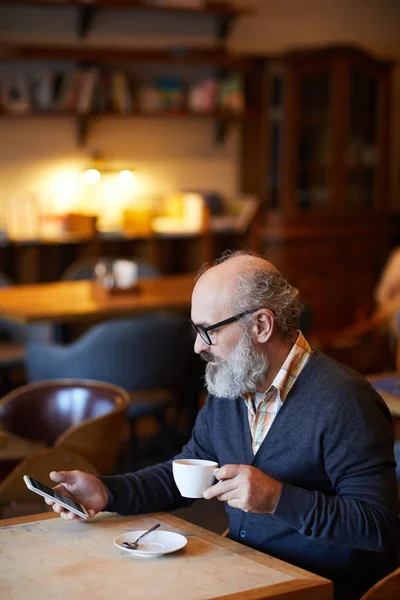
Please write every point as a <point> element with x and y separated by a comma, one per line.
<point>203,331</point>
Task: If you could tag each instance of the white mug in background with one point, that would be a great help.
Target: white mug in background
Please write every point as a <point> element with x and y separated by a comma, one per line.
<point>193,476</point>
<point>125,273</point>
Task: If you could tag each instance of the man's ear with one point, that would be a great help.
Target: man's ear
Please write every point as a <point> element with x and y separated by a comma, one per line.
<point>263,325</point>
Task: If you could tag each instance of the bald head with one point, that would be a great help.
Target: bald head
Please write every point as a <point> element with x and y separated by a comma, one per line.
<point>238,264</point>
<point>221,279</point>
<point>239,282</point>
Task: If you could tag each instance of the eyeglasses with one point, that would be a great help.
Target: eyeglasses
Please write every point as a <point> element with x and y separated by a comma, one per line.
<point>203,331</point>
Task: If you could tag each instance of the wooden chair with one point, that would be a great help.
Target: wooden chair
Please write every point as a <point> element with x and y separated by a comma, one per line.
<point>386,589</point>
<point>77,416</point>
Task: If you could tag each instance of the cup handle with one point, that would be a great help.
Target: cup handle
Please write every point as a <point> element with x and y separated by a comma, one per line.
<point>215,470</point>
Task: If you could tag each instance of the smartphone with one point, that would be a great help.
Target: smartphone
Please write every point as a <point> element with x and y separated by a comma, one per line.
<point>47,492</point>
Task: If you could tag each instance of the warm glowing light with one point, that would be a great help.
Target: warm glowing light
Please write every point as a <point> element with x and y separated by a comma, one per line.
<point>92,176</point>
<point>125,177</point>
<point>60,190</point>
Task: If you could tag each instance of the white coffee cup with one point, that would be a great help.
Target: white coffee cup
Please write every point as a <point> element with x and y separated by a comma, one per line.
<point>193,476</point>
<point>125,273</point>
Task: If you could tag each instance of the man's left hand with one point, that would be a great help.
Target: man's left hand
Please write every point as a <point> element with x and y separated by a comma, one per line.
<point>246,488</point>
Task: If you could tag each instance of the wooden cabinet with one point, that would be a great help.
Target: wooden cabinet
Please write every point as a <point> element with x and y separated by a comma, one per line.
<point>317,153</point>
<point>323,119</point>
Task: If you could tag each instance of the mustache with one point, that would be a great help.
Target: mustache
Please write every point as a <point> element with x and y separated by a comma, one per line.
<point>208,356</point>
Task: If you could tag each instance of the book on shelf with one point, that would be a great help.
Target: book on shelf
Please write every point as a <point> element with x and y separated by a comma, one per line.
<point>43,91</point>
<point>171,92</point>
<point>68,92</point>
<point>149,99</point>
<point>76,91</point>
<point>46,88</point>
<point>202,96</point>
<point>87,90</point>
<point>102,101</point>
<point>121,93</point>
<point>15,95</point>
<point>231,95</point>
<point>91,90</point>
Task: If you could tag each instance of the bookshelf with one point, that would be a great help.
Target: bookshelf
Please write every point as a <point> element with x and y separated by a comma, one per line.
<point>223,63</point>
<point>102,58</point>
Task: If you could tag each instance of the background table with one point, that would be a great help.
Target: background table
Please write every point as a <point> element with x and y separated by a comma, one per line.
<point>52,558</point>
<point>70,301</point>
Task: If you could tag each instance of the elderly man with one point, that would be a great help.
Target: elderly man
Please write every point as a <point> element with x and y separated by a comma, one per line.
<point>304,444</point>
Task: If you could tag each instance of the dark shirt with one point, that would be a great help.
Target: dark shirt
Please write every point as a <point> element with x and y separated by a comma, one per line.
<point>331,444</point>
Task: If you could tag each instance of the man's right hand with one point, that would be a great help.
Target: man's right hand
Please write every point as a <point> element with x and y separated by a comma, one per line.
<point>86,489</point>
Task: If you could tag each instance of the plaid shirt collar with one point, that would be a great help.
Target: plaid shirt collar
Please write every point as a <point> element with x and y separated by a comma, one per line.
<point>284,380</point>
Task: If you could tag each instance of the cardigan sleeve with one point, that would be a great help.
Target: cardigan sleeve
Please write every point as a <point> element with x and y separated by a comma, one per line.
<point>153,488</point>
<point>359,460</point>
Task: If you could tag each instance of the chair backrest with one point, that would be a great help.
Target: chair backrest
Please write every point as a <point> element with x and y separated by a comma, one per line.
<point>83,416</point>
<point>84,269</point>
<point>146,352</point>
<point>386,589</point>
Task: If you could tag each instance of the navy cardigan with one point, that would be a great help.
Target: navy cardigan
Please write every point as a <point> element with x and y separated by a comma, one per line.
<point>331,445</point>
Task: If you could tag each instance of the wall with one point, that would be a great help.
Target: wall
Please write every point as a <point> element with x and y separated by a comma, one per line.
<point>173,154</point>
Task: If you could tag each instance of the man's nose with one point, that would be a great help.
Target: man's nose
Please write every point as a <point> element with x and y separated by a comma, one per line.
<point>200,345</point>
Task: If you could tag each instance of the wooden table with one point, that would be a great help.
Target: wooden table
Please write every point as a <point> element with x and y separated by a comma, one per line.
<point>44,557</point>
<point>70,301</point>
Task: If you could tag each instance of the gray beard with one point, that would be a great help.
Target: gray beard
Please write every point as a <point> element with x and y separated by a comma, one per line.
<point>242,371</point>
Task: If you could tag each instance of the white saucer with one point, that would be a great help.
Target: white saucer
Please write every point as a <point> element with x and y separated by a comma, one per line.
<point>154,544</point>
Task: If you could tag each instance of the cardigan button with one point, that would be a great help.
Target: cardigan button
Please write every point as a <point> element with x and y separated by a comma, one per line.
<point>243,534</point>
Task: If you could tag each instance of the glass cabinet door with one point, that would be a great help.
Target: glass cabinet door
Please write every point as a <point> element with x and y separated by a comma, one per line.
<point>361,153</point>
<point>276,117</point>
<point>314,151</point>
<point>319,145</point>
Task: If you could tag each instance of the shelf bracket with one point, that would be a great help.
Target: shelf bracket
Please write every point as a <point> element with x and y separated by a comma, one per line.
<point>83,123</point>
<point>85,18</point>
<point>220,131</point>
<point>224,27</point>
<point>220,126</point>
